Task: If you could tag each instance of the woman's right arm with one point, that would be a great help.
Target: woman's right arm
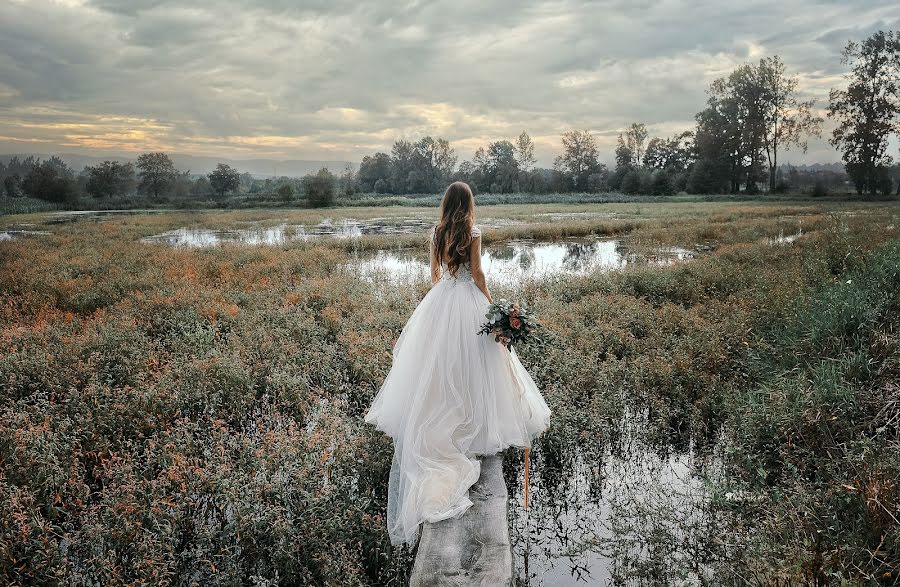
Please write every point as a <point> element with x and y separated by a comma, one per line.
<point>435,264</point>
<point>475,267</point>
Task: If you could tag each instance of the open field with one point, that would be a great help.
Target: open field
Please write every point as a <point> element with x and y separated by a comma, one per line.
<point>194,415</point>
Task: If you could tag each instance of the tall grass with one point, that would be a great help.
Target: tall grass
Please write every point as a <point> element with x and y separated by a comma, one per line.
<point>195,416</point>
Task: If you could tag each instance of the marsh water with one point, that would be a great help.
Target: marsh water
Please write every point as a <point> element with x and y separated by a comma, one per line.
<point>509,262</point>
<point>609,511</point>
<point>512,262</point>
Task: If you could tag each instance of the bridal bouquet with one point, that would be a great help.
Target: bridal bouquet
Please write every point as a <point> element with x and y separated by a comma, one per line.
<point>509,322</point>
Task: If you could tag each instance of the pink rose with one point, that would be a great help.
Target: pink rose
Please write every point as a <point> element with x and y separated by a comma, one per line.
<point>515,322</point>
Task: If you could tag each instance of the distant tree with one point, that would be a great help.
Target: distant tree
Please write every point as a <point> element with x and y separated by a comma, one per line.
<point>502,169</point>
<point>435,162</point>
<point>867,111</point>
<point>371,170</point>
<point>708,176</point>
<point>661,183</point>
<point>404,174</point>
<point>320,188</point>
<point>247,181</point>
<point>110,178</point>
<point>787,121</point>
<point>382,186</point>
<point>674,154</point>
<point>285,193</point>
<point>224,179</point>
<point>12,185</point>
<point>635,136</point>
<point>525,152</point>
<point>51,180</point>
<point>730,131</point>
<point>631,182</point>
<point>157,173</point>
<point>624,163</point>
<point>347,182</point>
<point>200,187</point>
<point>579,159</point>
<point>182,185</point>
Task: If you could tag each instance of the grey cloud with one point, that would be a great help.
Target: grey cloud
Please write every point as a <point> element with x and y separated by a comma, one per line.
<point>341,78</point>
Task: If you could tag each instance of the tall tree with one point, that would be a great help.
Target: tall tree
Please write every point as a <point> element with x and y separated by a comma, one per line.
<point>224,178</point>
<point>674,154</point>
<point>501,167</point>
<point>787,121</point>
<point>525,152</point>
<point>403,167</point>
<point>867,111</point>
<point>372,169</point>
<point>579,160</point>
<point>635,136</point>
<point>434,163</point>
<point>730,130</point>
<point>157,173</point>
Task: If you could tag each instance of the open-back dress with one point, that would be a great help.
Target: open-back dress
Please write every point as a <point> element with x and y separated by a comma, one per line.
<point>450,395</point>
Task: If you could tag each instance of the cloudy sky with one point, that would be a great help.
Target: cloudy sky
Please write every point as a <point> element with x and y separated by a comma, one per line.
<point>336,79</point>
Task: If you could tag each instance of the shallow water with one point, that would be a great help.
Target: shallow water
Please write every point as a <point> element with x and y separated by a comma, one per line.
<point>598,514</point>
<point>782,238</point>
<point>347,228</point>
<point>8,235</point>
<point>515,261</point>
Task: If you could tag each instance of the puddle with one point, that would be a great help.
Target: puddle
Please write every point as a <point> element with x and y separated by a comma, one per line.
<point>8,235</point>
<point>284,233</point>
<point>598,514</point>
<point>554,216</point>
<point>515,261</point>
<point>69,216</point>
<point>782,238</point>
<point>205,238</point>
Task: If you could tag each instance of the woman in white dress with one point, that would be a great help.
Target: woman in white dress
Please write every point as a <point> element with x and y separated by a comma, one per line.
<point>450,394</point>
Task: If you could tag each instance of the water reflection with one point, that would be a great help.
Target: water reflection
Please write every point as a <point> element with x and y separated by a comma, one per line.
<point>618,513</point>
<point>197,237</point>
<point>782,238</point>
<point>273,235</point>
<point>514,261</point>
<point>8,235</point>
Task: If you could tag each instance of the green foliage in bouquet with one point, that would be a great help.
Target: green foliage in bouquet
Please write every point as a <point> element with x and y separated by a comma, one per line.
<point>509,322</point>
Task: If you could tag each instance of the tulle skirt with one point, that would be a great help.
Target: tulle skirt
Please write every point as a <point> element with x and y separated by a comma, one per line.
<point>450,395</point>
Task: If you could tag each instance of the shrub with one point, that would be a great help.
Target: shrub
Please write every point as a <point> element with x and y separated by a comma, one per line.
<point>320,188</point>
<point>286,193</point>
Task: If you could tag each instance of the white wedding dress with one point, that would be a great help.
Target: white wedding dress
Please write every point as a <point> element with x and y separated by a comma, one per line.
<point>450,395</point>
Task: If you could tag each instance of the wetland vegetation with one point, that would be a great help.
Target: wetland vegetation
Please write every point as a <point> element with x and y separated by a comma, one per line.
<point>193,415</point>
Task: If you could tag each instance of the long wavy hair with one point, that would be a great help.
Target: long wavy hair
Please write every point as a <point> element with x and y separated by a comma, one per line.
<point>453,233</point>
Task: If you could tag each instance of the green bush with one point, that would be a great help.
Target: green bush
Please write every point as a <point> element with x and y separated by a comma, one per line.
<point>320,188</point>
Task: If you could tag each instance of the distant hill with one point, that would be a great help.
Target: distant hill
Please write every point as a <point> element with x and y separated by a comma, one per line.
<point>260,168</point>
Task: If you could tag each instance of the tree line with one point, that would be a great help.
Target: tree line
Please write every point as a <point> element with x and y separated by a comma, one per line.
<point>154,175</point>
<point>750,117</point>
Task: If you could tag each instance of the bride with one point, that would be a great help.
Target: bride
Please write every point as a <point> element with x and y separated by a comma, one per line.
<point>450,394</point>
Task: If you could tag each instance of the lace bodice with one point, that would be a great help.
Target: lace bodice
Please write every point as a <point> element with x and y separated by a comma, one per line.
<point>463,272</point>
